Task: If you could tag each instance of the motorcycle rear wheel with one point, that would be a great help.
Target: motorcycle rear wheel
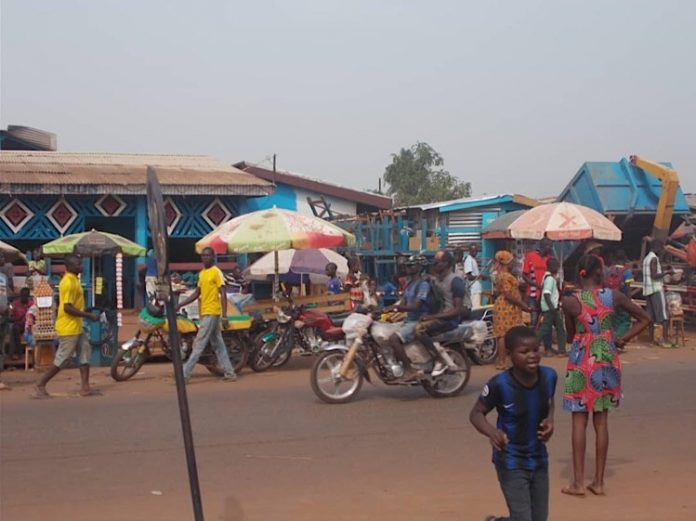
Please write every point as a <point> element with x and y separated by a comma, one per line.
<point>487,352</point>
<point>449,383</point>
<point>326,382</point>
<point>236,350</point>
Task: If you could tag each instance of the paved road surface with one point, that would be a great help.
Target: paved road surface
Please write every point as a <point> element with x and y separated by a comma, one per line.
<point>269,450</point>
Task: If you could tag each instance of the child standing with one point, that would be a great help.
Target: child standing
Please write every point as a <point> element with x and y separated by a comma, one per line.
<point>551,314</point>
<point>523,398</point>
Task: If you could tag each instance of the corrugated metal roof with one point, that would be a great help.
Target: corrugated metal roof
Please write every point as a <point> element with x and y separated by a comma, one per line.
<point>381,202</point>
<point>95,173</point>
<point>472,202</point>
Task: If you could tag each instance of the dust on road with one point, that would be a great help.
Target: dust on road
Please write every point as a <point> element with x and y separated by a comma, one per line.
<point>269,450</point>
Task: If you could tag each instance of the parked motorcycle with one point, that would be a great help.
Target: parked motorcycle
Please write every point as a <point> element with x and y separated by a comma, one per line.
<point>133,353</point>
<point>306,329</point>
<point>338,374</point>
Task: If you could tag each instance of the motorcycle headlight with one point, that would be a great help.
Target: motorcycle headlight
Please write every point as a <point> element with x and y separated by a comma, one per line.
<point>282,318</point>
<point>129,344</point>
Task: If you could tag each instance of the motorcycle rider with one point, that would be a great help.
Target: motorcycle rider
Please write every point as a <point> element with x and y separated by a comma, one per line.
<point>415,304</point>
<point>456,304</point>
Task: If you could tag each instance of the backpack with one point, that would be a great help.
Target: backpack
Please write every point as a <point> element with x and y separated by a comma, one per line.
<point>436,299</point>
<point>614,278</point>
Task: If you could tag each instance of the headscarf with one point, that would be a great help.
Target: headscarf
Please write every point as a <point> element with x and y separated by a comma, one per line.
<point>504,257</point>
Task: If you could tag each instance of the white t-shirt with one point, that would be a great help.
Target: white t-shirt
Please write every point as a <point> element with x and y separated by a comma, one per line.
<point>471,266</point>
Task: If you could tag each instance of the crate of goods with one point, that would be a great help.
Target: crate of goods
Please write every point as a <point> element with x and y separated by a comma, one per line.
<point>43,328</point>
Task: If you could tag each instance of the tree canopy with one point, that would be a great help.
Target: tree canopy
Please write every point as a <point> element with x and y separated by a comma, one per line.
<point>417,175</point>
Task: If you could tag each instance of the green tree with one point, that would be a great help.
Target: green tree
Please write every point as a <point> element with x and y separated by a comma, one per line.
<point>417,175</point>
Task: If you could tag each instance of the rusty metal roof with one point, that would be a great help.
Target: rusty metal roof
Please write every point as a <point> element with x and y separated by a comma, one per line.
<point>380,202</point>
<point>96,173</point>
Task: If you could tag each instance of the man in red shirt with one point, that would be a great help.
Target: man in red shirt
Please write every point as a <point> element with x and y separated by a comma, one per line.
<point>18,316</point>
<point>533,274</point>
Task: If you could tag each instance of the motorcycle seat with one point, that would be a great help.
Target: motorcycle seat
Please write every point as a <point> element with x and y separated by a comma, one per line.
<point>333,333</point>
<point>472,330</point>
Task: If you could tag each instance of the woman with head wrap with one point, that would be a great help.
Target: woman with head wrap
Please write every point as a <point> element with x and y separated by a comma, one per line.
<point>508,307</point>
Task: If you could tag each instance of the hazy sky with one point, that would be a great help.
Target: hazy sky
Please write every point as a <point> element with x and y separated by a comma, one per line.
<point>515,95</point>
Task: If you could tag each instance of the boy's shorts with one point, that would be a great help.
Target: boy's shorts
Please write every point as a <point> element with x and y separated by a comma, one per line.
<point>657,308</point>
<point>67,346</point>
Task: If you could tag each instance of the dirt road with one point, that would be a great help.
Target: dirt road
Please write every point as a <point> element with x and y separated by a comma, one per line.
<point>269,450</point>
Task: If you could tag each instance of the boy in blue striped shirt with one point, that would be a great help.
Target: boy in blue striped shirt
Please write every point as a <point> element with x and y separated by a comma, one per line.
<point>523,398</point>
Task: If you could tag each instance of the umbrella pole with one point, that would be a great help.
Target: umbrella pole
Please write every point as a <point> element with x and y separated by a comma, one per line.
<point>91,264</point>
<point>276,281</point>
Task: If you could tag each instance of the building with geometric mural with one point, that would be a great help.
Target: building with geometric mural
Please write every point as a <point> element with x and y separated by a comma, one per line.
<point>44,195</point>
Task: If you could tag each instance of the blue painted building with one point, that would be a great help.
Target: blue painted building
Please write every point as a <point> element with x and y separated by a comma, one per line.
<point>45,195</point>
<point>460,222</point>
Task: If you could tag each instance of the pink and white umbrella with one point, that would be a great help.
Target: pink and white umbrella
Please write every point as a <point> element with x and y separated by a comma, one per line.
<point>559,222</point>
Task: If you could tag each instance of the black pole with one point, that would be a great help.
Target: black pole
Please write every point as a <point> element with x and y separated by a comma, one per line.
<point>158,231</point>
<point>175,348</point>
<point>274,168</point>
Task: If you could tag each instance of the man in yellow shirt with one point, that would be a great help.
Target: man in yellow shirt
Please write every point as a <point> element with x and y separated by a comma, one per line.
<point>212,305</point>
<point>71,311</point>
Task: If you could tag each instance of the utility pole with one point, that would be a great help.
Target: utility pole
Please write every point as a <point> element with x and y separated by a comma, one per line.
<point>274,169</point>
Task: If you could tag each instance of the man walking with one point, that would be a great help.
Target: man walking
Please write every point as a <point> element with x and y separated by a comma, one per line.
<point>68,326</point>
<point>653,290</point>
<point>473,276</point>
<point>212,305</point>
<point>533,272</point>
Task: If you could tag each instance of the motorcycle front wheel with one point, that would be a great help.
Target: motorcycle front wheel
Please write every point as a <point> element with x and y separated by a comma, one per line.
<point>450,383</point>
<point>126,364</point>
<point>328,384</point>
<point>265,355</point>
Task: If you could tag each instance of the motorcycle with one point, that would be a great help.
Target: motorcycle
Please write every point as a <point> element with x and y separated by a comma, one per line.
<point>337,375</point>
<point>305,328</point>
<point>133,353</point>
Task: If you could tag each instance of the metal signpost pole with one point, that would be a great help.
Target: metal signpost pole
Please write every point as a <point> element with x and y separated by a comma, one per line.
<point>158,231</point>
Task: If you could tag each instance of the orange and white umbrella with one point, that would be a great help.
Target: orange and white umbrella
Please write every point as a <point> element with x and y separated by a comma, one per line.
<point>559,222</point>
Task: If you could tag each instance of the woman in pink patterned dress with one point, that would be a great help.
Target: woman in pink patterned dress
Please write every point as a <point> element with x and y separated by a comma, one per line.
<point>593,376</point>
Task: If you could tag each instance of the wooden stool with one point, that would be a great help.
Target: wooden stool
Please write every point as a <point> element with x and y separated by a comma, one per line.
<point>676,325</point>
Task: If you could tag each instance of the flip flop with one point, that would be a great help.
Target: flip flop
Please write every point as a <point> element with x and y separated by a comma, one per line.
<point>570,492</point>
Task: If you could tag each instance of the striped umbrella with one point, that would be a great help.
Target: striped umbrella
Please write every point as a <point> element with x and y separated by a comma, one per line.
<point>555,221</point>
<point>272,230</point>
<point>92,244</point>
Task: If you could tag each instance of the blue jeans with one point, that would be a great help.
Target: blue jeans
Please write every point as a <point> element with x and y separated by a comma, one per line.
<point>209,331</point>
<point>526,494</point>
